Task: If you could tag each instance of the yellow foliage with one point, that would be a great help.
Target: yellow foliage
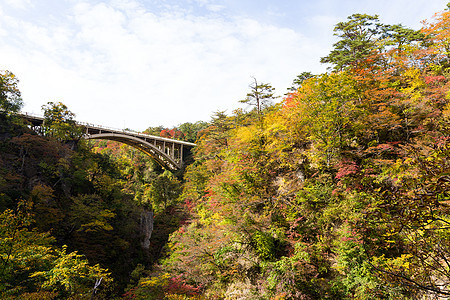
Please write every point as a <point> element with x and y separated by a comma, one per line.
<point>245,135</point>
<point>156,281</point>
<point>394,264</point>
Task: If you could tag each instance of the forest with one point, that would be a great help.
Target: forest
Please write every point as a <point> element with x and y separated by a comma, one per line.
<point>340,189</point>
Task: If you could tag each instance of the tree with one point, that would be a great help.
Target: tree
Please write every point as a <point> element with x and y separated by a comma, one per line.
<point>438,34</point>
<point>260,95</point>
<point>173,133</point>
<point>71,274</point>
<point>325,111</point>
<point>60,123</point>
<point>298,81</point>
<point>413,218</point>
<point>27,255</point>
<point>399,36</point>
<point>191,130</point>
<point>362,36</point>
<point>343,193</point>
<point>164,190</point>
<point>21,249</point>
<point>357,41</point>
<point>154,130</point>
<point>10,100</point>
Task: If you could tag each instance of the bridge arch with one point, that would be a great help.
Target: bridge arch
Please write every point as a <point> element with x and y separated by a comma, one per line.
<point>162,156</point>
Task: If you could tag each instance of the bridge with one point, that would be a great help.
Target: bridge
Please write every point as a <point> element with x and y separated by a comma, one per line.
<point>169,153</point>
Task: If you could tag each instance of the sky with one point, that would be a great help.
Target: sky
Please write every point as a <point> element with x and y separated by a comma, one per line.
<point>140,63</point>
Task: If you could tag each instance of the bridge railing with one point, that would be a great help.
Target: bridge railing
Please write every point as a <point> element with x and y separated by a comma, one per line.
<point>31,115</point>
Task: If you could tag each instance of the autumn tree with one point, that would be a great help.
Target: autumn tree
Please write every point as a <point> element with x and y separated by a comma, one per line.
<point>173,133</point>
<point>27,256</point>
<point>438,35</point>
<point>414,220</point>
<point>337,194</point>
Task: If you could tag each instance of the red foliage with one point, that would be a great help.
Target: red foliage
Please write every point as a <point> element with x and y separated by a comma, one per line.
<point>435,79</point>
<point>347,168</point>
<point>386,148</point>
<point>442,141</point>
<point>177,285</point>
<point>289,100</point>
<point>173,133</point>
<point>190,205</point>
<point>130,294</point>
<point>165,133</point>
<point>292,233</point>
<point>209,193</point>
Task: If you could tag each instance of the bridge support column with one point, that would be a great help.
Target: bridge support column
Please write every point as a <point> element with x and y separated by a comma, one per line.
<point>181,153</point>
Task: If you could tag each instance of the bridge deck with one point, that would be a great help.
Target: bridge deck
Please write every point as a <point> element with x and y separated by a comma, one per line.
<point>168,152</point>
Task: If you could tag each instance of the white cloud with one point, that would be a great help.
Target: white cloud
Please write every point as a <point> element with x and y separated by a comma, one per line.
<point>216,7</point>
<point>118,63</point>
<point>122,63</point>
<point>19,4</point>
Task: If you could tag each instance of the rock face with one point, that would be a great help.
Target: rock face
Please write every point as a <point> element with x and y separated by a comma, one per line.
<point>146,227</point>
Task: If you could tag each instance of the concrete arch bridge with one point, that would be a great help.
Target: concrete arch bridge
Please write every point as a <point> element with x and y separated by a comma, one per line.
<point>169,153</point>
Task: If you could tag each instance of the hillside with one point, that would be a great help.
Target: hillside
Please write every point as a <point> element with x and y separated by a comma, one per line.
<point>338,191</point>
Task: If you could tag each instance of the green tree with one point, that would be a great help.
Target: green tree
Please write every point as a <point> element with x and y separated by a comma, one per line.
<point>363,36</point>
<point>400,36</point>
<point>154,130</point>
<point>60,123</point>
<point>164,190</point>
<point>298,81</point>
<point>10,97</point>
<point>191,130</point>
<point>260,95</point>
<point>21,250</point>
<point>358,38</point>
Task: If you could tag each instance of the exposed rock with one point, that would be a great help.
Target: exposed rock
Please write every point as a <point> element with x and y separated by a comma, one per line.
<point>146,227</point>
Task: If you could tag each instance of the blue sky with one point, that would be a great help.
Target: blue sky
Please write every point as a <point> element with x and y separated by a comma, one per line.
<point>141,63</point>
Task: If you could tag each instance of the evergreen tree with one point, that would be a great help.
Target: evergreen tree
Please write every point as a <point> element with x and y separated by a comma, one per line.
<point>260,95</point>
